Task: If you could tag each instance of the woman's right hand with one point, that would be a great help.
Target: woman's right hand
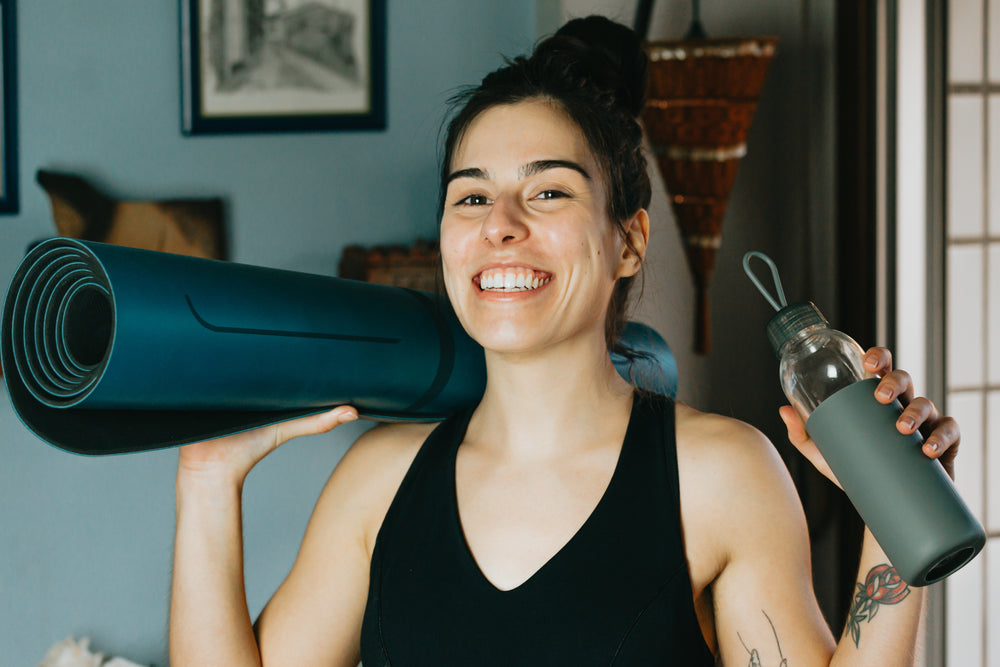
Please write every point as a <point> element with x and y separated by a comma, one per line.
<point>230,458</point>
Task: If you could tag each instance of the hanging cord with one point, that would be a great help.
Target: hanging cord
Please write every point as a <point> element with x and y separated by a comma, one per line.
<point>781,302</point>
<point>641,23</point>
<point>696,30</point>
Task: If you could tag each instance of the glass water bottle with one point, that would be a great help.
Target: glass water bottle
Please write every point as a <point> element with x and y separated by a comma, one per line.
<point>907,500</point>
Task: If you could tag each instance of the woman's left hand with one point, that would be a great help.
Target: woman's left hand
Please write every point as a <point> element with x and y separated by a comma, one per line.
<point>941,433</point>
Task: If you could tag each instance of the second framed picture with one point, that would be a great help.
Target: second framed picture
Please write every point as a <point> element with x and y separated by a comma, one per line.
<point>282,65</point>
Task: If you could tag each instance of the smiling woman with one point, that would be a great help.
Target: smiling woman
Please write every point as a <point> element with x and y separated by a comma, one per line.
<point>593,75</point>
<point>569,518</point>
<point>520,201</point>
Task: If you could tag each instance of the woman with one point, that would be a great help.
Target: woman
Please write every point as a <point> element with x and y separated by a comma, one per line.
<point>567,519</point>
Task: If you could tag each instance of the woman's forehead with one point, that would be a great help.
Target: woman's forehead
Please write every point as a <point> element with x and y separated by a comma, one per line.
<point>517,134</point>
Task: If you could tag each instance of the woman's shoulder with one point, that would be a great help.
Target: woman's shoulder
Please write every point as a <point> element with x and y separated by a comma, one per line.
<point>371,471</point>
<point>733,483</point>
<point>725,455</point>
<point>716,433</point>
<point>390,442</point>
<point>379,459</point>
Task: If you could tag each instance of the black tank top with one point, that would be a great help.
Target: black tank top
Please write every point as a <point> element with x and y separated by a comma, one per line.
<point>618,593</point>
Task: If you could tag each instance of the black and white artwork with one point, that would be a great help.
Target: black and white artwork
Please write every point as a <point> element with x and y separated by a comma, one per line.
<point>283,65</point>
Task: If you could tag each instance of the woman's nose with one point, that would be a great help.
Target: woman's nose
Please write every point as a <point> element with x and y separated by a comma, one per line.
<point>504,223</point>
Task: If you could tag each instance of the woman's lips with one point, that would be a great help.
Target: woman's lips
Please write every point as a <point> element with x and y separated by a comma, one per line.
<point>511,279</point>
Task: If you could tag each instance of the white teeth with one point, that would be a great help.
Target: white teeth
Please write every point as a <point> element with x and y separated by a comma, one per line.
<point>501,280</point>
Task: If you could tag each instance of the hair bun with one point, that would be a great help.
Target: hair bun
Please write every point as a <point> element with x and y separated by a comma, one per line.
<point>613,51</point>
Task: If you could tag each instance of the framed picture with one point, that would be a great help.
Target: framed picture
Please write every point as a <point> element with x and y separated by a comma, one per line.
<point>282,65</point>
<point>8,108</point>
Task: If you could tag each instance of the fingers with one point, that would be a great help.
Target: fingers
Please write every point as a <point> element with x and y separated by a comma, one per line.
<point>314,424</point>
<point>918,412</point>
<point>921,412</point>
<point>897,384</point>
<point>894,384</point>
<point>796,427</point>
<point>945,436</point>
<point>878,361</point>
<point>230,458</point>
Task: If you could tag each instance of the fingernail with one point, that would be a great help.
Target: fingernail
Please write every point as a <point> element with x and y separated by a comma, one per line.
<point>931,446</point>
<point>906,422</point>
<point>885,392</point>
<point>871,359</point>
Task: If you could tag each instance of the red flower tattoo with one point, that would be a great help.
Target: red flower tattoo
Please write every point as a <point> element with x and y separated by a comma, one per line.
<point>883,585</point>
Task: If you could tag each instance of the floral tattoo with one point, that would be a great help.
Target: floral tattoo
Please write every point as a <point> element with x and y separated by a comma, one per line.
<point>883,585</point>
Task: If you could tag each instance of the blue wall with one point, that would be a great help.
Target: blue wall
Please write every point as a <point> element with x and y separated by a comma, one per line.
<point>85,545</point>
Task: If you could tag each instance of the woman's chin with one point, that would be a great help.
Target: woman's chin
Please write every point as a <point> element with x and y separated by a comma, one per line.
<point>512,341</point>
<point>509,343</point>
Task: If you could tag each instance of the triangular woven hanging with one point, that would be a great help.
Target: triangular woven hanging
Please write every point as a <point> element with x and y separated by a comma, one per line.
<point>701,101</point>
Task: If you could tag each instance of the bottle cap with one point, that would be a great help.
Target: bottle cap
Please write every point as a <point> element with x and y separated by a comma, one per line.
<point>790,320</point>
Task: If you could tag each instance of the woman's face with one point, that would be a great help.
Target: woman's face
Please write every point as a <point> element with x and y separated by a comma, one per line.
<point>530,257</point>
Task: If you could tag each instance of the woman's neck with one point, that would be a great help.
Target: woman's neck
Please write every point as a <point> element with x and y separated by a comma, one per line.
<point>540,405</point>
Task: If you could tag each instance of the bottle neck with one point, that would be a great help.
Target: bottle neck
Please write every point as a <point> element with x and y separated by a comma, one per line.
<point>800,336</point>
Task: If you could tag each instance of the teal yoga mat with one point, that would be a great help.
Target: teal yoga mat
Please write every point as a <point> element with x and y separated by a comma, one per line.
<point>108,349</point>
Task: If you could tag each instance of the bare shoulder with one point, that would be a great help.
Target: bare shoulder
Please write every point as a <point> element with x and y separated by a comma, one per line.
<point>732,481</point>
<point>728,458</point>
<point>714,444</point>
<point>387,445</point>
<point>370,472</point>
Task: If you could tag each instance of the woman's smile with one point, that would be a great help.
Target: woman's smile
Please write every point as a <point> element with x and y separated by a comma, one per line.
<point>511,279</point>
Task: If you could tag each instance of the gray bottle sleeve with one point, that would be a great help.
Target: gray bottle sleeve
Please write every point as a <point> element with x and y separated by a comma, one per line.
<point>906,499</point>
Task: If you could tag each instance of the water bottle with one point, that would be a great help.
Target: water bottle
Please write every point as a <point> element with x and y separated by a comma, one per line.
<point>906,499</point>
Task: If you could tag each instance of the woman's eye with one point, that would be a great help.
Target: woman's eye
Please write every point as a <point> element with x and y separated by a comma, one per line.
<point>474,200</point>
<point>551,194</point>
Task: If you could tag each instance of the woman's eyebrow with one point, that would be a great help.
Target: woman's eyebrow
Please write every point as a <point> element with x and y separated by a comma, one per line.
<point>471,172</point>
<point>539,166</point>
<point>528,170</point>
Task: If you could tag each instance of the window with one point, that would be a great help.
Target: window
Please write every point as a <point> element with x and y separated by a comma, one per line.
<point>972,314</point>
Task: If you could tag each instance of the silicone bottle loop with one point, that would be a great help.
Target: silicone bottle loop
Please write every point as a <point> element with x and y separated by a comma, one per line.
<point>781,302</point>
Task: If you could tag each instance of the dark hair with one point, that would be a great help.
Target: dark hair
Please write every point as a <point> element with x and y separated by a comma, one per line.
<point>595,70</point>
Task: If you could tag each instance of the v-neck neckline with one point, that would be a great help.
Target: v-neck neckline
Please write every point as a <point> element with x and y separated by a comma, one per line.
<point>466,551</point>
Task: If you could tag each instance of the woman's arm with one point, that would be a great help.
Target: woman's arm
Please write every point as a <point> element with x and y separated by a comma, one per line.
<point>209,621</point>
<point>885,614</point>
<point>314,618</point>
<point>766,613</point>
<point>765,610</point>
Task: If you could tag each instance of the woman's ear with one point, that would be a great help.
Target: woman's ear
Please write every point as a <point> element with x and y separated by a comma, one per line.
<point>636,231</point>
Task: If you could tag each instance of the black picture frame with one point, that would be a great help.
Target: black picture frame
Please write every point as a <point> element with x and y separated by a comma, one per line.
<point>9,200</point>
<point>306,66</point>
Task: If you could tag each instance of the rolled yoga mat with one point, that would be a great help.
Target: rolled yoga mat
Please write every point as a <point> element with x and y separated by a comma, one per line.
<point>108,349</point>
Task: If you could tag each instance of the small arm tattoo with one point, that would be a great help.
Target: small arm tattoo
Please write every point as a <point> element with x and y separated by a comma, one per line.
<point>755,654</point>
<point>883,585</point>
